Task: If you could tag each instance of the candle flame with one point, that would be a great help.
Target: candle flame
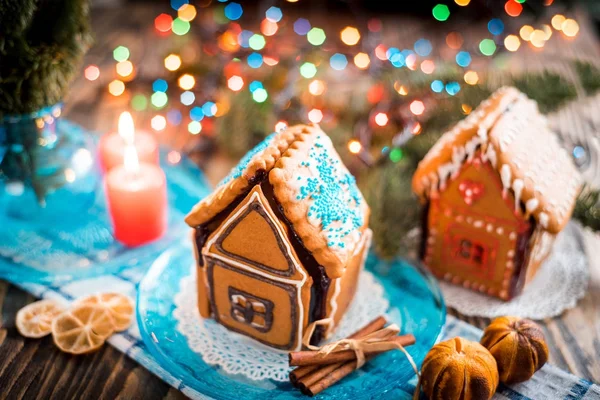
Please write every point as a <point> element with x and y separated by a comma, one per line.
<point>126,128</point>
<point>130,159</point>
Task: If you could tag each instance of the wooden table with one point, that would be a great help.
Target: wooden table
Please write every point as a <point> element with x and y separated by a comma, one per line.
<point>36,369</point>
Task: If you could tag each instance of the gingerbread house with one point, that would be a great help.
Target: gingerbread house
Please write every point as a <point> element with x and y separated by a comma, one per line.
<point>497,190</point>
<point>281,241</point>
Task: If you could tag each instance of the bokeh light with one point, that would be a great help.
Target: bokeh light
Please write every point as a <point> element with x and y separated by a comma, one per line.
<point>513,8</point>
<point>350,35</point>
<point>174,117</point>
<point>260,95</point>
<point>124,68</point>
<point>471,77</point>
<point>354,146</point>
<point>316,87</point>
<point>194,127</point>
<point>255,60</point>
<point>487,47</point>
<point>196,114</point>
<point>463,58</point>
<point>177,4</point>
<point>257,42</point>
<point>454,40</point>
<point>396,155</point>
<point>121,53</point>
<point>441,12</point>
<point>158,122</point>
<point>172,62</point>
<point>160,85</point>
<point>428,66</point>
<point>280,125</point>
<point>233,11</point>
<point>338,61</point>
<point>187,12</point>
<point>538,38</point>
<point>255,85</point>
<point>91,72</point>
<point>173,157</point>
<point>381,119</point>
<point>180,27</point>
<point>547,31</point>
<point>362,60</point>
<point>423,47</point>
<point>417,107</point>
<point>302,26</point>
<point>452,88</point>
<point>512,42</point>
<point>187,98</point>
<point>116,87</point>
<point>315,115</point>
<point>496,26</point>
<point>159,99</point>
<point>525,32</point>
<point>462,2</point>
<point>235,83</point>
<point>316,36</point>
<point>209,109</point>
<point>268,28</point>
<point>163,23</point>
<point>308,70</point>
<point>557,21</point>
<point>139,102</point>
<point>186,81</point>
<point>437,86</point>
<point>570,27</point>
<point>274,14</point>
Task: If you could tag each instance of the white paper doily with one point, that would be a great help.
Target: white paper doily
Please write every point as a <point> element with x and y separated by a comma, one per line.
<point>561,281</point>
<point>238,354</point>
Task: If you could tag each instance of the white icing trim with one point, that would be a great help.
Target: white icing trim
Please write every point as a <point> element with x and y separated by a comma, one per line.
<point>505,176</point>
<point>299,284</point>
<point>543,217</point>
<point>517,186</point>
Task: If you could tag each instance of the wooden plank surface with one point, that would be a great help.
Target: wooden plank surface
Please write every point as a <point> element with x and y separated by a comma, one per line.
<point>36,369</point>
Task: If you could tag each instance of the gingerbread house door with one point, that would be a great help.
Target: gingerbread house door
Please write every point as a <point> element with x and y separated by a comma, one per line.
<point>254,278</point>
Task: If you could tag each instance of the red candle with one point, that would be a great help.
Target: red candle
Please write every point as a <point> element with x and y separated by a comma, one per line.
<point>137,200</point>
<point>112,145</point>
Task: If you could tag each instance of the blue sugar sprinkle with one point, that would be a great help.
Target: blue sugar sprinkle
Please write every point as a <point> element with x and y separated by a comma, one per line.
<point>238,170</point>
<point>334,194</point>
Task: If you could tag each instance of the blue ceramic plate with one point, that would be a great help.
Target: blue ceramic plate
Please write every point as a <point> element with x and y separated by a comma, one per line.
<point>414,298</point>
<point>82,245</point>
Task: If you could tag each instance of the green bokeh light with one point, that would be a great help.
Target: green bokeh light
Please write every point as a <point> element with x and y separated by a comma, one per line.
<point>260,95</point>
<point>121,53</point>
<point>396,155</point>
<point>441,12</point>
<point>257,42</point>
<point>180,27</point>
<point>316,36</point>
<point>487,47</point>
<point>159,99</point>
<point>308,70</point>
<point>139,102</point>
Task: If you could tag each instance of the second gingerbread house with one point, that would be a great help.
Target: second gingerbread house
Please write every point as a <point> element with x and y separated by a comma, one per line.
<point>498,188</point>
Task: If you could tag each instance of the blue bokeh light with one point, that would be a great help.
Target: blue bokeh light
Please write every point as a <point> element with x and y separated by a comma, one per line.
<point>208,109</point>
<point>452,88</point>
<point>197,114</point>
<point>423,47</point>
<point>274,14</point>
<point>496,26</point>
<point>244,38</point>
<point>233,11</point>
<point>160,85</point>
<point>177,4</point>
<point>174,117</point>
<point>463,58</point>
<point>255,85</point>
<point>255,60</point>
<point>302,26</point>
<point>437,86</point>
<point>338,61</point>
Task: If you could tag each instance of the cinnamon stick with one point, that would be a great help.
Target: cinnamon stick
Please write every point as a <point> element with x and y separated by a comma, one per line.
<point>371,327</point>
<point>330,375</point>
<point>302,358</point>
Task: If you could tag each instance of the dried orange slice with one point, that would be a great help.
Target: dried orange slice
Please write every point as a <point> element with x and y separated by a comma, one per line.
<point>82,329</point>
<point>35,319</point>
<point>119,305</point>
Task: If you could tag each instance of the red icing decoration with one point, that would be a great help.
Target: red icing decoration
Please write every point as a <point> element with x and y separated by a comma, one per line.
<point>470,191</point>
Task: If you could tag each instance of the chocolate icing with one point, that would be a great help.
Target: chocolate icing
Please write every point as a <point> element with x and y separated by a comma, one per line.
<point>321,282</point>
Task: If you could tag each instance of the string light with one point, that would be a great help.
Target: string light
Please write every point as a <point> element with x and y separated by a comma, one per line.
<point>350,36</point>
<point>362,60</point>
<point>557,21</point>
<point>417,107</point>
<point>235,83</point>
<point>354,146</point>
<point>186,81</point>
<point>116,87</point>
<point>172,62</point>
<point>316,87</point>
<point>315,115</point>
<point>91,72</point>
<point>381,119</point>
<point>570,27</point>
<point>512,43</point>
<point>158,122</point>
